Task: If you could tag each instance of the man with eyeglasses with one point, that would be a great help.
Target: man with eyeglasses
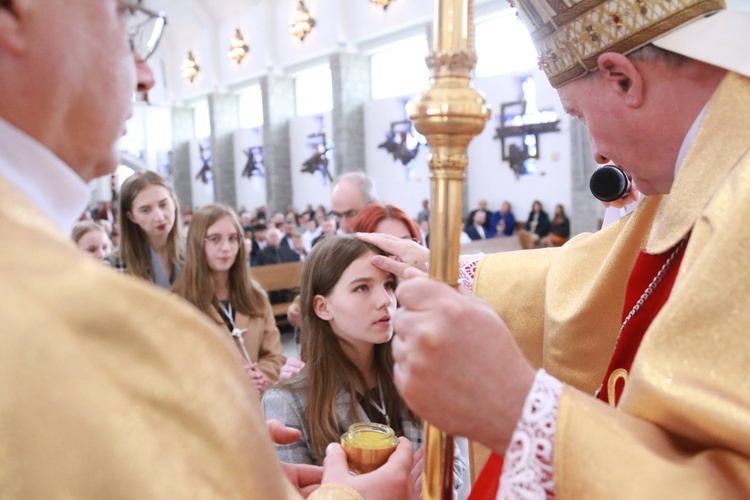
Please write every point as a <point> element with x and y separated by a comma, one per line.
<point>96,399</point>
<point>351,192</point>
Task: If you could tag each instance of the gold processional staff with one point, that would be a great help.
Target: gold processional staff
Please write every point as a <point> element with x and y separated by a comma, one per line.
<point>449,114</point>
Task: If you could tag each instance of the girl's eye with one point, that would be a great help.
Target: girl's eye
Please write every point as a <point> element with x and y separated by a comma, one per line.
<point>361,288</point>
<point>389,285</point>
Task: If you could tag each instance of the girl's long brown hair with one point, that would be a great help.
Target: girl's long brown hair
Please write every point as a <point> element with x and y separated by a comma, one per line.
<point>134,246</point>
<point>195,283</point>
<point>328,369</point>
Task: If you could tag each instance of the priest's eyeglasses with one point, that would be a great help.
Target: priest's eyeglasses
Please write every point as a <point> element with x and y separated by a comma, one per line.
<point>145,28</point>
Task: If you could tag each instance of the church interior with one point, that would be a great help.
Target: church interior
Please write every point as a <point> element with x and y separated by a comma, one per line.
<point>277,118</point>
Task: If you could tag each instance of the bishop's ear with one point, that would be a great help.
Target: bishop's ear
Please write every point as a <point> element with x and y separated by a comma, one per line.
<point>320,306</point>
<point>624,77</point>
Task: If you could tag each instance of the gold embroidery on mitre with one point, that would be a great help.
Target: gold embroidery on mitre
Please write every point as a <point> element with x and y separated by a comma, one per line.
<point>616,376</point>
<point>570,40</point>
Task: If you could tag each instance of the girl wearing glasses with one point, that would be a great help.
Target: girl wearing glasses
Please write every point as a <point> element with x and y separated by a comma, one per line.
<point>150,230</point>
<point>347,305</point>
<point>216,280</point>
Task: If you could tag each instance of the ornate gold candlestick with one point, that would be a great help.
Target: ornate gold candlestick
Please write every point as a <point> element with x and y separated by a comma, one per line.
<point>449,114</point>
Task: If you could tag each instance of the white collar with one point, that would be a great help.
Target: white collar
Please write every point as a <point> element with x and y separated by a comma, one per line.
<point>689,139</point>
<point>54,188</point>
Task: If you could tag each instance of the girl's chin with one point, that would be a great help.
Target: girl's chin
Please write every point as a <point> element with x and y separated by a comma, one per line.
<point>384,339</point>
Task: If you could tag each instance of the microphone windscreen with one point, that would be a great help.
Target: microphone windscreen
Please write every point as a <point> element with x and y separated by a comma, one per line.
<point>609,183</point>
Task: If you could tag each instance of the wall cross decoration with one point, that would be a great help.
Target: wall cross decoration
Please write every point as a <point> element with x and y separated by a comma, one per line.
<point>521,122</point>
<point>205,175</point>
<point>254,164</point>
<point>402,142</point>
<point>322,149</point>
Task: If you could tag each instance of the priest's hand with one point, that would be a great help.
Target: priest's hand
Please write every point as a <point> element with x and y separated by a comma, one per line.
<point>406,251</point>
<point>281,434</point>
<point>391,481</point>
<point>456,363</point>
<point>306,478</point>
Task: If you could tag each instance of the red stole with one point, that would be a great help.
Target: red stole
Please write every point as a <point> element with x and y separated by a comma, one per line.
<point>644,271</point>
<point>646,268</point>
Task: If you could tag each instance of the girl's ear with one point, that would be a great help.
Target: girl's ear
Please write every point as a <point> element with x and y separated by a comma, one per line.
<point>320,306</point>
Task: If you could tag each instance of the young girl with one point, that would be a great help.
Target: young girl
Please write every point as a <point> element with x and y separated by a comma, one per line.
<point>150,230</point>
<point>216,280</point>
<point>92,238</point>
<point>347,305</point>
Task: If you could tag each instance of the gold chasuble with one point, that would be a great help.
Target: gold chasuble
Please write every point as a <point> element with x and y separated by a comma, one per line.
<point>682,425</point>
<point>112,388</point>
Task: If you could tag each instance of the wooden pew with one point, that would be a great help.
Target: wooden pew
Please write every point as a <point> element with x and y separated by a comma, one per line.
<point>276,277</point>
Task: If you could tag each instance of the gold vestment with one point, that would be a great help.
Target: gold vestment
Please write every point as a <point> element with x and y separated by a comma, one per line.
<point>112,388</point>
<point>682,427</point>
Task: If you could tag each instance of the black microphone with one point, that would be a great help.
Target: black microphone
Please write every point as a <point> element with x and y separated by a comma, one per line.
<point>609,183</point>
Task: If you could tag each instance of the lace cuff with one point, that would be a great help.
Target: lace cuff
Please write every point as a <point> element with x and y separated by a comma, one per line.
<point>467,269</point>
<point>528,467</point>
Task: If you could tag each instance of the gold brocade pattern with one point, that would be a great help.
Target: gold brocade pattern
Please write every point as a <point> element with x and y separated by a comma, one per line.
<point>571,335</point>
<point>689,386</point>
<point>569,35</point>
<point>112,388</point>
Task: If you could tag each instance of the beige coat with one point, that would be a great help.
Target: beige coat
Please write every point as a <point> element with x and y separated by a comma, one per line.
<point>262,341</point>
<point>102,396</point>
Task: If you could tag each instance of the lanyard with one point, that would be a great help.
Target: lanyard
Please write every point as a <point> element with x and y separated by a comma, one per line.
<point>228,315</point>
<point>381,407</point>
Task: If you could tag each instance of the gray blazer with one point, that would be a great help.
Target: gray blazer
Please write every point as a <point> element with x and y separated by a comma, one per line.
<point>287,403</point>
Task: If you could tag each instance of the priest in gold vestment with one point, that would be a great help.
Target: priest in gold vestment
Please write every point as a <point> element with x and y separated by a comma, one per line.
<point>109,387</point>
<point>664,90</point>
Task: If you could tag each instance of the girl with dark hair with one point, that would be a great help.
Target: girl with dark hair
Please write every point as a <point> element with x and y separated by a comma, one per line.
<point>150,230</point>
<point>216,280</point>
<point>559,230</point>
<point>536,227</point>
<point>346,304</point>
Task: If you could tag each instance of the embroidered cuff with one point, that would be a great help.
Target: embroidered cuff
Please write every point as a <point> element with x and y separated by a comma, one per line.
<point>528,466</point>
<point>467,269</point>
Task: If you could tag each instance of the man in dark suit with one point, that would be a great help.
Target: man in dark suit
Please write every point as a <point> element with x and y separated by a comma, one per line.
<point>482,207</point>
<point>290,229</point>
<point>274,253</point>
<point>475,226</point>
